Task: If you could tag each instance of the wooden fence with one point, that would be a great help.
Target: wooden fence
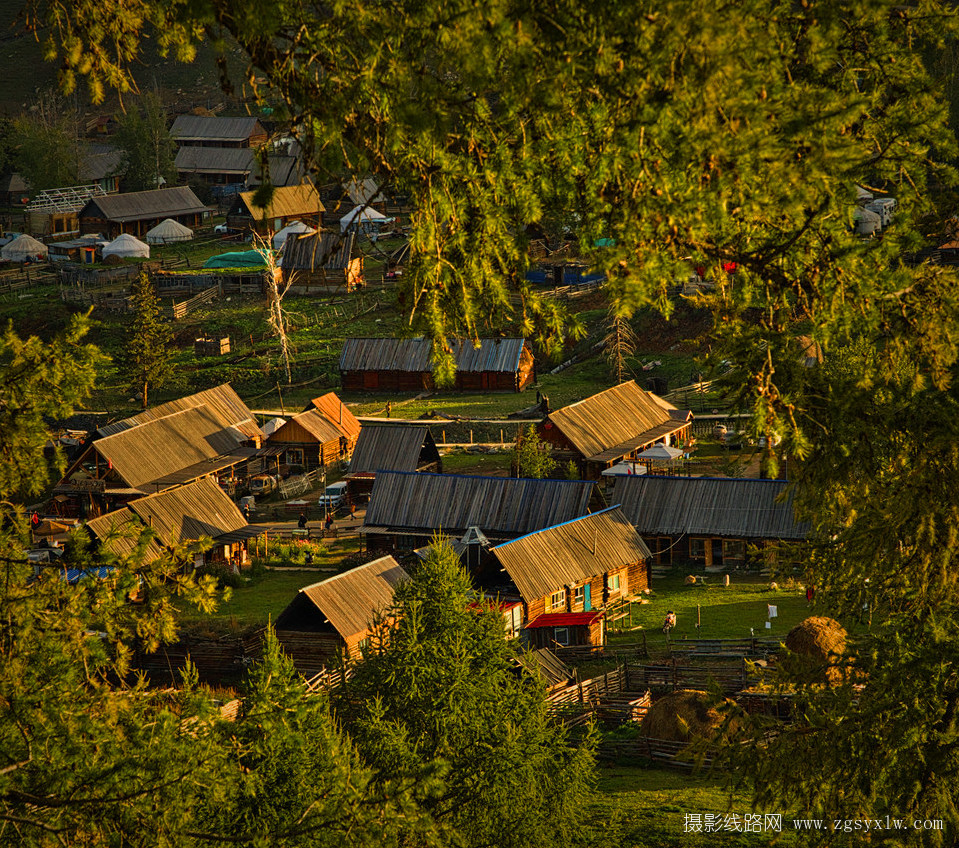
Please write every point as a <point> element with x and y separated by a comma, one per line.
<point>661,751</point>
<point>181,310</point>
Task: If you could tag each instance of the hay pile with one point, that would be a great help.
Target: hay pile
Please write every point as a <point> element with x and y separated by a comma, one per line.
<point>820,642</point>
<point>681,717</point>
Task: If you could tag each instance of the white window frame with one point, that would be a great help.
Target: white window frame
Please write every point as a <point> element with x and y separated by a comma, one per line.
<point>556,636</point>
<point>579,595</point>
<point>557,600</point>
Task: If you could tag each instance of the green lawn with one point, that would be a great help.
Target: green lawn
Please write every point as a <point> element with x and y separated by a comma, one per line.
<point>257,603</point>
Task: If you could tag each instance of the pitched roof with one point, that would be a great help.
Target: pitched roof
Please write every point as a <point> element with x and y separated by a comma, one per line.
<point>311,252</point>
<point>316,424</point>
<point>569,553</point>
<point>709,506</point>
<point>388,447</point>
<point>137,205</point>
<point>337,413</point>
<point>211,128</point>
<point>452,503</point>
<point>287,201</point>
<point>566,619</point>
<point>415,355</point>
<point>152,451</point>
<point>221,401</point>
<point>364,191</point>
<point>351,600</point>
<point>215,160</point>
<point>616,421</point>
<point>100,163</point>
<point>120,532</point>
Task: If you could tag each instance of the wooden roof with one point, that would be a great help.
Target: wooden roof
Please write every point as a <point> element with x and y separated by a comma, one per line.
<point>709,506</point>
<point>337,413</point>
<point>140,205</point>
<point>215,160</point>
<point>623,417</point>
<point>351,600</point>
<point>571,553</point>
<point>119,531</point>
<point>213,128</point>
<point>315,423</point>
<point>189,512</point>
<point>388,447</point>
<point>158,448</point>
<point>452,503</point>
<point>287,201</point>
<point>222,401</point>
<point>316,251</point>
<point>415,355</point>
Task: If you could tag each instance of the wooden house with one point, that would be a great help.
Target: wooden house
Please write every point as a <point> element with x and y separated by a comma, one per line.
<point>611,426</point>
<point>708,521</point>
<point>185,514</point>
<point>406,365</point>
<point>216,166</point>
<point>212,131</point>
<point>140,211</point>
<point>318,261</point>
<point>407,509</point>
<point>288,204</point>
<point>326,432</point>
<point>568,573</point>
<point>334,619</point>
<point>390,447</point>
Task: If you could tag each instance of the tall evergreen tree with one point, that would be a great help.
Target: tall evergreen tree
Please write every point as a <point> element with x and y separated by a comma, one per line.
<point>149,344</point>
<point>147,146</point>
<point>532,457</point>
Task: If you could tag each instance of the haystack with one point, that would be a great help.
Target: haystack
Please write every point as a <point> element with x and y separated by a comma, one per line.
<point>681,717</point>
<point>822,641</point>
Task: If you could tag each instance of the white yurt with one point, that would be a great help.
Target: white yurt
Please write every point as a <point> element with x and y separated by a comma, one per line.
<point>297,228</point>
<point>369,220</point>
<point>24,249</point>
<point>168,232</point>
<point>126,247</point>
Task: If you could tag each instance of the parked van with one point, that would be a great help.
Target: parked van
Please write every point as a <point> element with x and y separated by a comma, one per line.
<point>334,497</point>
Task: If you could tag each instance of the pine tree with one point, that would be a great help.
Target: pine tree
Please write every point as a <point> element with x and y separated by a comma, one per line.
<point>150,341</point>
<point>620,342</point>
<point>532,457</point>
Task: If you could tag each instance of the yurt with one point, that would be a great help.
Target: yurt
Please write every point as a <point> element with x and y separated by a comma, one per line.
<point>297,228</point>
<point>169,232</point>
<point>126,247</point>
<point>24,249</point>
<point>369,220</point>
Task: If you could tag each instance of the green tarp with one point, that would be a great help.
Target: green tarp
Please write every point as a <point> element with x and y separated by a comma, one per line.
<point>238,259</point>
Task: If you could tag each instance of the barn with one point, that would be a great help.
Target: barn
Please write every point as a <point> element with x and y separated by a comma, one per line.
<point>406,365</point>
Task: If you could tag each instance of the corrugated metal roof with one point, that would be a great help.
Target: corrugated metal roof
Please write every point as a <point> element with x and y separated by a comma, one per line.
<point>301,199</point>
<point>99,164</point>
<point>452,503</point>
<point>119,531</point>
<point>566,619</point>
<point>222,401</point>
<point>337,413</point>
<point>415,355</point>
<point>215,160</point>
<point>211,128</point>
<point>617,416</point>
<point>137,205</point>
<point>190,512</point>
<point>388,447</point>
<point>569,553</point>
<point>315,423</point>
<point>315,251</point>
<point>163,446</point>
<point>709,506</point>
<point>351,600</point>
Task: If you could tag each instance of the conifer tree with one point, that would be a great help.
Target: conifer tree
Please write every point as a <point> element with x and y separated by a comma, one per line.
<point>150,341</point>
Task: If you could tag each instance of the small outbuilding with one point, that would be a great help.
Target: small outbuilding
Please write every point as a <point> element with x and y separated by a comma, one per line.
<point>321,261</point>
<point>325,432</point>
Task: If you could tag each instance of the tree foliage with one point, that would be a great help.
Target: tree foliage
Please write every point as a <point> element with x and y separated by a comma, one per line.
<point>150,341</point>
<point>47,148</point>
<point>148,148</point>
<point>532,457</point>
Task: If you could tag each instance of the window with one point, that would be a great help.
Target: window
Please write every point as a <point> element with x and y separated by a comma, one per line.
<point>734,549</point>
<point>561,635</point>
<point>612,582</point>
<point>557,600</point>
<point>294,456</point>
<point>697,549</point>
<point>514,621</point>
<point>363,644</point>
<point>579,596</point>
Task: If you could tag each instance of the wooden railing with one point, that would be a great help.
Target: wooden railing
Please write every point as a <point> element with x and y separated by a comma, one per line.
<point>181,310</point>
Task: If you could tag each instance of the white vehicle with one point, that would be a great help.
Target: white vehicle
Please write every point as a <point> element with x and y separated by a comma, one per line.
<point>263,484</point>
<point>334,497</point>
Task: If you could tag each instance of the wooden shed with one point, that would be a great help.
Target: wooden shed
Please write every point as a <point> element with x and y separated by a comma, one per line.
<point>334,619</point>
<point>140,211</point>
<point>611,426</point>
<point>406,365</point>
<point>312,440</point>
<point>390,447</point>
<point>288,203</point>
<point>708,521</point>
<point>407,509</point>
<point>570,572</point>
<point>318,262</point>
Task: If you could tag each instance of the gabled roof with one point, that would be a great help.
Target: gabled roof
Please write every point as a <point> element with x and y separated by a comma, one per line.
<point>332,251</point>
<point>222,401</point>
<point>616,421</point>
<point>215,160</point>
<point>211,128</point>
<point>570,553</point>
<point>364,191</point>
<point>316,424</point>
<point>451,503</point>
<point>287,201</point>
<point>100,163</point>
<point>352,599</point>
<point>388,447</point>
<point>709,506</point>
<point>193,439</point>
<point>337,413</point>
<point>138,205</point>
<point>415,355</point>
<point>120,532</point>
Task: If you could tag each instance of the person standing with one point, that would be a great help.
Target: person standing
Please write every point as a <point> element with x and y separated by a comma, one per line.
<point>302,522</point>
